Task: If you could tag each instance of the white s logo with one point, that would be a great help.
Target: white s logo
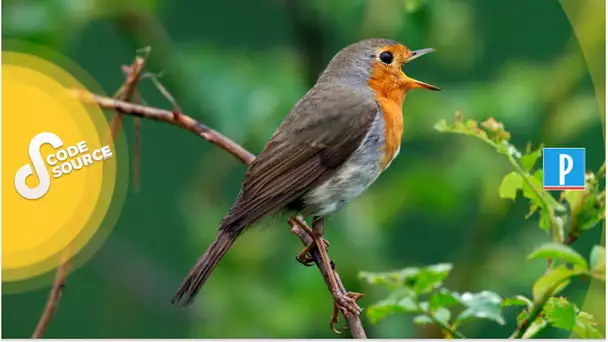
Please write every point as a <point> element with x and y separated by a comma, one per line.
<point>43,175</point>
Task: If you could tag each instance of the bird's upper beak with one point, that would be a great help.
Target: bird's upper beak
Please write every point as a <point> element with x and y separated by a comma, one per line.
<point>412,83</point>
<point>418,53</point>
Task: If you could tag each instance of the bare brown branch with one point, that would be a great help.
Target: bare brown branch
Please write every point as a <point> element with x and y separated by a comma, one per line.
<point>137,153</point>
<point>174,118</point>
<point>53,300</point>
<point>214,137</point>
<point>129,88</point>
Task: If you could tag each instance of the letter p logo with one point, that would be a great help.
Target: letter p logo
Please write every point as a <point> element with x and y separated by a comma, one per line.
<point>564,169</point>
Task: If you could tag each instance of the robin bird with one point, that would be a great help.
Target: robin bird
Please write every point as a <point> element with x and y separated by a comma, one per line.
<point>331,147</point>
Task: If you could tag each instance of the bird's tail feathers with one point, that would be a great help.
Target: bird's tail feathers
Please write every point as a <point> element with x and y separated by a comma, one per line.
<point>204,266</point>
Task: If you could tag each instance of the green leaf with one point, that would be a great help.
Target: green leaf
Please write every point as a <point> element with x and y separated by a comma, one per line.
<point>598,262</point>
<point>509,185</point>
<point>443,299</point>
<point>442,315</point>
<point>441,125</point>
<point>589,216</point>
<point>560,313</point>
<point>484,305</point>
<point>533,208</point>
<point>429,278</point>
<point>590,212</point>
<point>408,304</point>
<point>529,159</point>
<point>598,257</point>
<point>536,201</point>
<point>390,280</point>
<point>545,198</point>
<point>554,250</point>
<point>472,125</point>
<point>421,280</point>
<point>586,327</point>
<point>424,306</point>
<point>408,276</point>
<point>423,319</point>
<point>529,192</point>
<point>460,127</point>
<point>553,282</point>
<point>588,207</point>
<point>387,307</point>
<point>544,223</point>
<point>442,270</point>
<point>516,301</point>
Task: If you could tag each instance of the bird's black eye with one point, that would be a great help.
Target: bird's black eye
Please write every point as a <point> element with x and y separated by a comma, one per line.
<point>386,57</point>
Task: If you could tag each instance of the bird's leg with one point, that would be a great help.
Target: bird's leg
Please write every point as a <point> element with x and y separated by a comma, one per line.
<point>342,299</point>
<point>304,257</point>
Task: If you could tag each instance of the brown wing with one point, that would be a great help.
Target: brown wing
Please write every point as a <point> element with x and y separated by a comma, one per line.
<point>318,135</point>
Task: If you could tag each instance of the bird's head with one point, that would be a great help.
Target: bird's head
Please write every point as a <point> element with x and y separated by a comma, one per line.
<point>376,62</point>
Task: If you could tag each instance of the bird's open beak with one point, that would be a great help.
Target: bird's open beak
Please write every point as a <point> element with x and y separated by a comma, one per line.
<point>412,83</point>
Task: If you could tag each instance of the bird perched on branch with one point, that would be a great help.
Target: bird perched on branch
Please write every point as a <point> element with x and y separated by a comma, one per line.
<point>330,148</point>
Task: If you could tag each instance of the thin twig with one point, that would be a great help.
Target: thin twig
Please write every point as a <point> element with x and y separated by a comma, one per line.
<point>214,137</point>
<point>137,148</point>
<point>161,88</point>
<point>54,297</point>
<point>129,87</point>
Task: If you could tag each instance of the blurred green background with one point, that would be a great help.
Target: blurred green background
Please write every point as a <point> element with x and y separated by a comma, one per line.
<point>239,66</point>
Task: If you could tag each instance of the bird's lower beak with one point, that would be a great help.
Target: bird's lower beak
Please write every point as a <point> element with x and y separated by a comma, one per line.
<point>412,83</point>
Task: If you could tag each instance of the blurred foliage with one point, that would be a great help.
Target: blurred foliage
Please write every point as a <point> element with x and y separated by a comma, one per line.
<point>239,66</point>
<point>411,284</point>
<point>586,210</point>
<point>587,207</point>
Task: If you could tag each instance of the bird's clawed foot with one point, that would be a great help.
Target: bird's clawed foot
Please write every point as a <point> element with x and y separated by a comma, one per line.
<point>304,256</point>
<point>344,301</point>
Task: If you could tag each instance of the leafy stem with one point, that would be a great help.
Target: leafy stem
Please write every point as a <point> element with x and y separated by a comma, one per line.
<point>555,226</point>
<point>538,305</point>
<point>493,133</point>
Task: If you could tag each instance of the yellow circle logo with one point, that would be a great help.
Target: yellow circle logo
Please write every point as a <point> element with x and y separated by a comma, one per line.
<point>59,167</point>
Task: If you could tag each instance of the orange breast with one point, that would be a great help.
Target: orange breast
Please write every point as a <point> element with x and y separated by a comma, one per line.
<point>393,129</point>
<point>390,96</point>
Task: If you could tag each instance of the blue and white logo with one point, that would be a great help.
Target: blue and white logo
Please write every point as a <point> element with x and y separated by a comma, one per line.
<point>564,168</point>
